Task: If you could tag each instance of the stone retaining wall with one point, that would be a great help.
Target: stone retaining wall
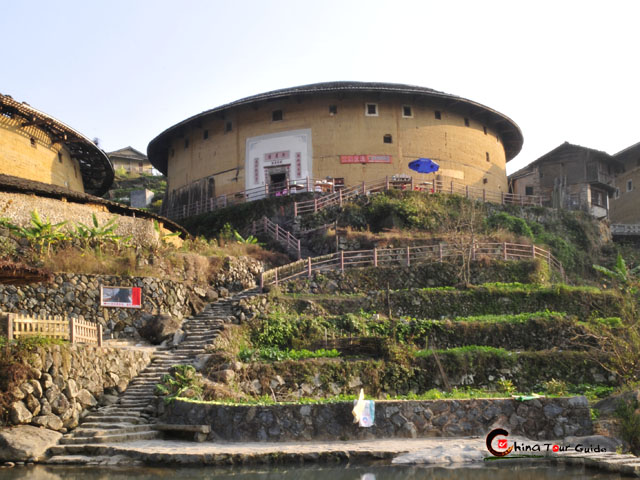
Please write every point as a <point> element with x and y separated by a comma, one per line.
<point>69,379</point>
<point>79,295</point>
<point>544,418</point>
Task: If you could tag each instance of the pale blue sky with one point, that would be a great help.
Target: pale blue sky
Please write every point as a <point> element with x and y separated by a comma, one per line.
<point>124,71</point>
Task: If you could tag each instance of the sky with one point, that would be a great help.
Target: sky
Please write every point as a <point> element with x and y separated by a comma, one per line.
<point>124,71</point>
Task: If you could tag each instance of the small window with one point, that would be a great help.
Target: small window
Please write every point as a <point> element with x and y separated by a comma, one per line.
<point>438,115</point>
<point>186,143</point>
<point>486,154</point>
<point>228,127</point>
<point>371,110</point>
<point>616,195</point>
<point>484,129</point>
<point>33,142</point>
<point>276,115</point>
<point>406,111</point>
<point>60,157</point>
<point>387,138</point>
<point>333,109</point>
<point>205,134</point>
<point>629,185</point>
<point>485,181</point>
<point>466,122</point>
<point>528,190</point>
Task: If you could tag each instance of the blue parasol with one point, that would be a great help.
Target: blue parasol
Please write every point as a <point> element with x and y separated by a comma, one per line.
<point>424,165</point>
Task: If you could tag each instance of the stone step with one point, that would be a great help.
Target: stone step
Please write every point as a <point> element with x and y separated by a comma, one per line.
<point>105,426</point>
<point>117,438</point>
<point>108,417</point>
<point>81,432</point>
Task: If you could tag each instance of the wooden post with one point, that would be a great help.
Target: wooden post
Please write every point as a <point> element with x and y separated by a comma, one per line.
<point>484,195</point>
<point>308,189</point>
<point>276,277</point>
<point>264,224</point>
<point>299,250</point>
<point>386,183</point>
<point>309,266</point>
<point>277,232</point>
<point>440,251</point>
<point>10,326</point>
<point>375,257</point>
<point>408,257</point>
<point>342,260</point>
<point>315,205</point>
<point>364,188</point>
<point>533,250</point>
<point>72,333</point>
<point>295,209</point>
<point>340,196</point>
<point>502,198</point>
<point>549,258</point>
<point>266,189</point>
<point>99,335</point>
<point>504,250</point>
<point>261,281</point>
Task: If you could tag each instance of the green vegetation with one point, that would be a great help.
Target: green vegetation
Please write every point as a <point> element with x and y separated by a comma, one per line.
<point>629,423</point>
<point>182,380</point>
<point>274,354</point>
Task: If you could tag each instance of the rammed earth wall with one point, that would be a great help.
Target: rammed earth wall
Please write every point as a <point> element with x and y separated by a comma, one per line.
<point>544,418</point>
<point>68,379</point>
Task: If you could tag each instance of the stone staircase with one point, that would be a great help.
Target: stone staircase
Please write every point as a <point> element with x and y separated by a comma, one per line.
<point>131,417</point>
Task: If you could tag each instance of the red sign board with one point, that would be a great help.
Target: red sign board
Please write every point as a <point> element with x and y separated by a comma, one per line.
<point>365,158</point>
<point>124,297</point>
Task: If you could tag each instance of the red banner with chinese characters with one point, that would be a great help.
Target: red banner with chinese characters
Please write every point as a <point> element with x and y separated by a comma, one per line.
<point>365,158</point>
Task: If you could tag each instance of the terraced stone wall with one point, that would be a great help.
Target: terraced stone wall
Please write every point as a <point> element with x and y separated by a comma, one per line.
<point>79,295</point>
<point>66,380</point>
<point>544,418</point>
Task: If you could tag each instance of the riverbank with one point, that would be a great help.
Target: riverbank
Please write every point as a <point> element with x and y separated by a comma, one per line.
<point>435,451</point>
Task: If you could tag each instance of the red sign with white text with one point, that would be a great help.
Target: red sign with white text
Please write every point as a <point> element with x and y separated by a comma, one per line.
<point>365,158</point>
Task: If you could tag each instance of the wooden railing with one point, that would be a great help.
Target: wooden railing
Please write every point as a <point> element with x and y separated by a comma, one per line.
<point>277,233</point>
<point>435,186</point>
<point>73,329</point>
<point>274,190</point>
<point>406,257</point>
<point>625,229</point>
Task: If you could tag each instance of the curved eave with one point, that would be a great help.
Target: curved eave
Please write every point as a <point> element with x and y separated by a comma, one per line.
<point>509,132</point>
<point>95,167</point>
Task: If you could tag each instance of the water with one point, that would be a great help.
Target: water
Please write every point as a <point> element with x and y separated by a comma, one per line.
<point>503,470</point>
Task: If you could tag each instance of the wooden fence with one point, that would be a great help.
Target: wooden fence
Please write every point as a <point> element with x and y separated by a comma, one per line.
<point>73,329</point>
<point>281,189</point>
<point>277,233</point>
<point>435,186</point>
<point>625,229</point>
<point>406,257</point>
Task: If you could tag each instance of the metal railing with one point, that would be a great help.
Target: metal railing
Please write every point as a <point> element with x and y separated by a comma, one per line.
<point>406,257</point>
<point>435,186</point>
<point>73,329</point>
<point>273,190</point>
<point>625,229</point>
<point>277,233</point>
